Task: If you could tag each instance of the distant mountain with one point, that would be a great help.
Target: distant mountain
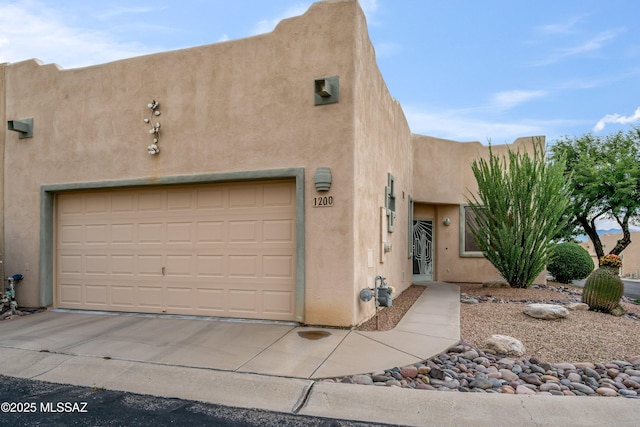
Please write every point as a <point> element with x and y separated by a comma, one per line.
<point>584,238</point>
<point>610,231</point>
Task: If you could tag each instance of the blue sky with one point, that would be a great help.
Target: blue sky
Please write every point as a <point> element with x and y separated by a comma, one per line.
<point>464,70</point>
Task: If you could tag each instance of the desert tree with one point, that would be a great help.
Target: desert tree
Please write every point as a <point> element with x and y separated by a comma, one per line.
<point>605,172</point>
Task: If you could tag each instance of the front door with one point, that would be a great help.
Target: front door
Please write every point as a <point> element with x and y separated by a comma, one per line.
<point>422,250</point>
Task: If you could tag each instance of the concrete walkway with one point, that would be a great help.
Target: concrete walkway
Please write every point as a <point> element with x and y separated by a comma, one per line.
<point>272,366</point>
<point>267,348</point>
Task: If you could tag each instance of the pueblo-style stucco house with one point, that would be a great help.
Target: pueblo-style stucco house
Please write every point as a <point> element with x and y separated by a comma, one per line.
<point>286,180</point>
<point>630,256</point>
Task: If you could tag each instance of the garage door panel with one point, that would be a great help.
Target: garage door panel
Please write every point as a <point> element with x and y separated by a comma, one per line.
<point>211,299</point>
<point>71,234</point>
<point>97,203</point>
<point>150,265</point>
<point>278,231</point>
<point>96,295</point>
<point>73,206</point>
<point>123,202</point>
<point>210,232</point>
<point>179,266</point>
<point>243,196</point>
<point>220,250</point>
<point>281,303</point>
<point>179,298</point>
<point>71,294</point>
<point>243,231</point>
<point>123,296</point>
<point>123,233</point>
<point>179,200</point>
<point>150,232</point>
<point>208,266</point>
<point>151,201</point>
<point>97,234</point>
<point>96,264</point>
<point>179,232</point>
<point>245,266</point>
<point>210,199</point>
<point>279,195</point>
<point>71,264</point>
<point>123,264</point>
<point>243,301</point>
<point>278,266</point>
<point>150,297</point>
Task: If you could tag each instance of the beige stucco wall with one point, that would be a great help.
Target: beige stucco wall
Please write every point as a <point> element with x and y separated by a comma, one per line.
<point>242,105</point>
<point>442,167</point>
<point>382,146</point>
<point>442,181</point>
<point>630,255</point>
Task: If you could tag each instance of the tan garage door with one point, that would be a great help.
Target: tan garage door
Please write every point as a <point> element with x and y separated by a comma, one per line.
<point>212,250</point>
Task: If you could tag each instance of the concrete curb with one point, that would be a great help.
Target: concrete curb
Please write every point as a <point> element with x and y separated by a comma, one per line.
<point>442,409</point>
<point>241,390</point>
<point>390,405</point>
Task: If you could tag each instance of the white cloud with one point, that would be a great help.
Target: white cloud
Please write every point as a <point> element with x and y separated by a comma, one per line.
<point>592,45</point>
<point>66,45</point>
<point>267,25</point>
<point>387,49</point>
<point>509,99</point>
<point>617,118</point>
<point>561,28</point>
<point>458,126</point>
<point>610,224</point>
<point>369,6</point>
<point>126,10</point>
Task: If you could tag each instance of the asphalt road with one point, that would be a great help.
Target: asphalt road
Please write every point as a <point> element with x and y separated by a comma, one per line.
<point>631,287</point>
<point>26,402</point>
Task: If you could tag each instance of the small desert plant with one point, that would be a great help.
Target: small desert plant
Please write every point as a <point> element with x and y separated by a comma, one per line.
<point>570,261</point>
<point>603,290</point>
<point>611,260</point>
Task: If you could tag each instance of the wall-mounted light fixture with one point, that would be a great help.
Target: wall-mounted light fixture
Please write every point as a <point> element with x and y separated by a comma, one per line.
<point>155,128</point>
<point>447,222</point>
<point>24,127</point>
<point>326,90</point>
<point>322,179</point>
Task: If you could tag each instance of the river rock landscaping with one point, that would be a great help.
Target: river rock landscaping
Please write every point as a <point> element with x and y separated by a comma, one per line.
<point>476,368</point>
<point>466,369</point>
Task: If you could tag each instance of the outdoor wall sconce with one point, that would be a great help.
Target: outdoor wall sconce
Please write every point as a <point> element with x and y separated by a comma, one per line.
<point>322,179</point>
<point>155,128</point>
<point>447,222</point>
<point>326,90</point>
<point>24,127</point>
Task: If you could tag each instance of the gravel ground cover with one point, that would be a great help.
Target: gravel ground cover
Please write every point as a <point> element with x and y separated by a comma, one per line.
<point>585,336</point>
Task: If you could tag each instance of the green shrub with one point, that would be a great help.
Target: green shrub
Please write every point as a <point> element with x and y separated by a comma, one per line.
<point>570,261</point>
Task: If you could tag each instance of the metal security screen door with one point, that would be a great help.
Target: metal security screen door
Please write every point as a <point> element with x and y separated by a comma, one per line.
<point>422,250</point>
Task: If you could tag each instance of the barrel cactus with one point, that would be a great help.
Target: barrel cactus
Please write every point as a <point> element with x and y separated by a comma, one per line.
<point>603,289</point>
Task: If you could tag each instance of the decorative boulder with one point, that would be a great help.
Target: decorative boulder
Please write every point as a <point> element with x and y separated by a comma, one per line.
<point>577,306</point>
<point>546,311</point>
<point>503,344</point>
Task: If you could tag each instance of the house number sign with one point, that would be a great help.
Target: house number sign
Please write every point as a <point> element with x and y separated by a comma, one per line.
<point>323,201</point>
